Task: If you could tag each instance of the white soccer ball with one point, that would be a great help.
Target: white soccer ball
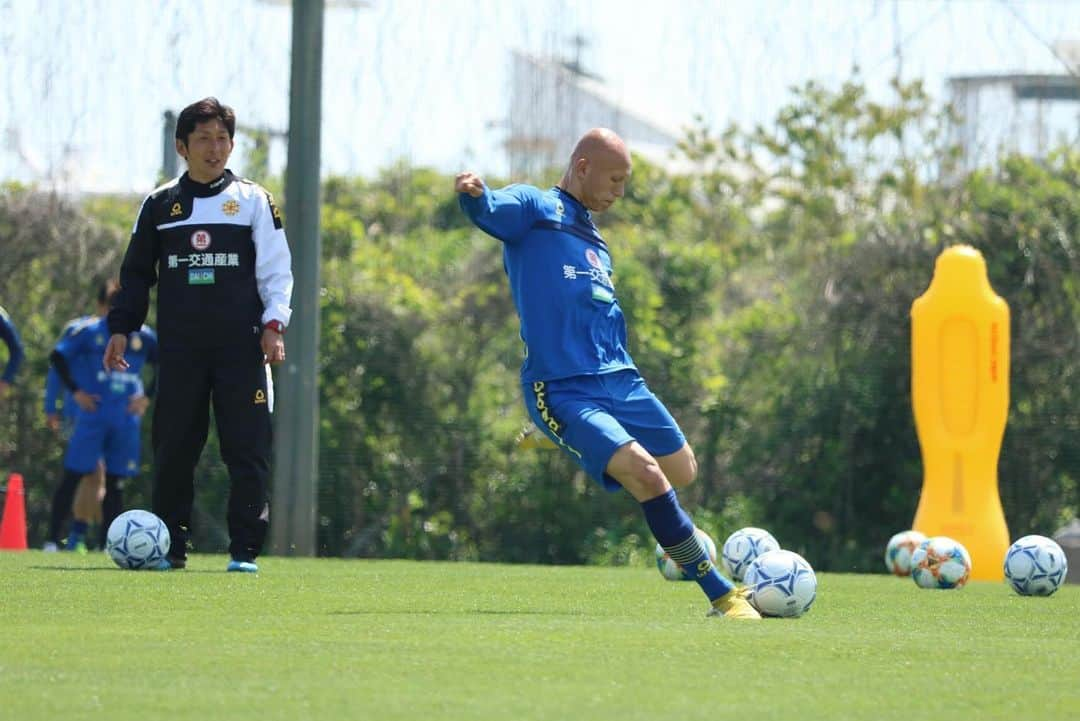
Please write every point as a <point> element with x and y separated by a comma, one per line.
<point>1035,566</point>
<point>940,562</point>
<point>781,583</point>
<point>899,549</point>
<point>743,546</point>
<point>673,571</point>
<point>137,539</point>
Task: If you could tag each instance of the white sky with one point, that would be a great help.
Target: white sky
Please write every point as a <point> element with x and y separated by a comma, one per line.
<point>84,83</point>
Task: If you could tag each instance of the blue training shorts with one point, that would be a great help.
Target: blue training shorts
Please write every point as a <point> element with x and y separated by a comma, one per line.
<point>109,433</point>
<point>591,417</point>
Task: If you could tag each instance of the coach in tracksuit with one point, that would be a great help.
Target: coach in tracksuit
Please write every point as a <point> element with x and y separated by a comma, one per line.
<point>215,245</point>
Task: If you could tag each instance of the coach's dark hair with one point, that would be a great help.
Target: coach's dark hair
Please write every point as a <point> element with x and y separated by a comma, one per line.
<point>107,290</point>
<point>201,111</point>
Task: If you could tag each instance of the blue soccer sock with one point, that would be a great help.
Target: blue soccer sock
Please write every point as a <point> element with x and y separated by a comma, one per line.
<point>76,534</point>
<point>674,531</point>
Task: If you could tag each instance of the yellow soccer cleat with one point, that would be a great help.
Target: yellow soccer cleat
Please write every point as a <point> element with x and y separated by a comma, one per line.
<point>733,605</point>
<point>531,437</point>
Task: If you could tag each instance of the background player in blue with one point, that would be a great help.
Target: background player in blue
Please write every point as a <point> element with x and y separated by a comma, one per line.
<point>10,336</point>
<point>111,406</point>
<point>83,503</point>
<point>580,384</point>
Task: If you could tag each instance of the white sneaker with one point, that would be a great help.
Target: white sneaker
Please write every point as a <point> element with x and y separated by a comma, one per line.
<point>50,547</point>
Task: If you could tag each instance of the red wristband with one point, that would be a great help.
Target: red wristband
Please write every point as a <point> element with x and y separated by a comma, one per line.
<point>275,325</point>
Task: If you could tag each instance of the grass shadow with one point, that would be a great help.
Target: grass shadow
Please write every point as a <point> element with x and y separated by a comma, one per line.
<point>106,568</point>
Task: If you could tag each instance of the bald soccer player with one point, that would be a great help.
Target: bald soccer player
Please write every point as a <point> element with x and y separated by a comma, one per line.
<point>580,384</point>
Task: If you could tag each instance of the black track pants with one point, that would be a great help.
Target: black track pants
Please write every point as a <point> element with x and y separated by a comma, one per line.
<point>112,505</point>
<point>61,503</point>
<point>234,380</point>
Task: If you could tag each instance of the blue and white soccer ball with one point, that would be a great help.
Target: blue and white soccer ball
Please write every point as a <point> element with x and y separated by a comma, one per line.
<point>940,562</point>
<point>743,546</point>
<point>137,539</point>
<point>673,571</point>
<point>899,550</point>
<point>1035,566</point>
<point>781,583</point>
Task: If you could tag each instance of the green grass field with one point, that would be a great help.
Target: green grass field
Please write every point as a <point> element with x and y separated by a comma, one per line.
<point>349,639</point>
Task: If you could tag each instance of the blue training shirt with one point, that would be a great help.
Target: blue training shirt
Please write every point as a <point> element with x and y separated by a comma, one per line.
<point>83,350</point>
<point>10,337</point>
<point>54,387</point>
<point>560,279</point>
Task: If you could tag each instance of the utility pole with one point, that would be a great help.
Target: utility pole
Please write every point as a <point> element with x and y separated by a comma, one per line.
<point>296,416</point>
<point>168,147</point>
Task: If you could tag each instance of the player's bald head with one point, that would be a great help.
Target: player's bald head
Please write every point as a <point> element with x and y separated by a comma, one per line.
<point>598,169</point>
<point>601,145</point>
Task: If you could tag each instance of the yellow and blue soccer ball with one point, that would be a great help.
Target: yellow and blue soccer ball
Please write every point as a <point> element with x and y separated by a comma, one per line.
<point>742,547</point>
<point>781,583</point>
<point>673,571</point>
<point>940,562</point>
<point>899,550</point>
<point>136,540</point>
<point>1035,566</point>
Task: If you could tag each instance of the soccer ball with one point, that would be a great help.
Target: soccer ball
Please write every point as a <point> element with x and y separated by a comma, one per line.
<point>899,549</point>
<point>137,539</point>
<point>673,571</point>
<point>744,546</point>
<point>940,562</point>
<point>1035,566</point>
<point>781,583</point>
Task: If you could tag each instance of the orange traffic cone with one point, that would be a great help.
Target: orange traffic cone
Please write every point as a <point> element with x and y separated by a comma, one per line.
<point>13,525</point>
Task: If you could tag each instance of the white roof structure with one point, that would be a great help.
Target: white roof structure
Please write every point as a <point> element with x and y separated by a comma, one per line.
<point>1014,112</point>
<point>552,103</point>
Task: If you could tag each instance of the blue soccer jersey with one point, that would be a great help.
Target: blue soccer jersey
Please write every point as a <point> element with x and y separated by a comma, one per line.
<point>10,338</point>
<point>560,279</point>
<point>83,350</point>
<point>58,398</point>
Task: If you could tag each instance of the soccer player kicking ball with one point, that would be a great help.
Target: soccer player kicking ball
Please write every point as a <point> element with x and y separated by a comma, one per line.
<point>580,384</point>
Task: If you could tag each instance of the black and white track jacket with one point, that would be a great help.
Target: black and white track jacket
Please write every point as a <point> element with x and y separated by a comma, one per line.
<point>219,255</point>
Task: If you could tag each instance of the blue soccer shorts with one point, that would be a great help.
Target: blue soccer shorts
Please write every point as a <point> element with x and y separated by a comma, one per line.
<point>591,417</point>
<point>109,433</point>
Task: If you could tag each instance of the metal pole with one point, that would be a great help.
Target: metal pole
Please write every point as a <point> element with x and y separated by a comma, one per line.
<point>168,147</point>
<point>296,432</point>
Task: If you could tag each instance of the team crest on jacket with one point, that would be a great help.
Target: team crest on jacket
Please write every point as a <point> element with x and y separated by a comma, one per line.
<point>230,208</point>
<point>593,258</point>
<point>136,342</point>
<point>200,240</point>
<point>176,210</point>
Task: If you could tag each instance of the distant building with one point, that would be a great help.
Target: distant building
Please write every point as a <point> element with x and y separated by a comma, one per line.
<point>553,102</point>
<point>1014,113</point>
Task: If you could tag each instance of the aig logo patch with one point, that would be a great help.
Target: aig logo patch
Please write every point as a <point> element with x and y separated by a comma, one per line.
<point>176,210</point>
<point>230,208</point>
<point>200,240</point>
<point>260,397</point>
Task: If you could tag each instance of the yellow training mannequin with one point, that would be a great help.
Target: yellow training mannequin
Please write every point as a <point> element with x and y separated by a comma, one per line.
<point>960,396</point>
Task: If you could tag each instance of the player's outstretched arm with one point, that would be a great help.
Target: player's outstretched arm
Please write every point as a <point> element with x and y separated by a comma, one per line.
<point>469,182</point>
<point>504,214</point>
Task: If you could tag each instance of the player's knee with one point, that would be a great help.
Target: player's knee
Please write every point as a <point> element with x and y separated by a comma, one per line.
<point>681,468</point>
<point>638,472</point>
